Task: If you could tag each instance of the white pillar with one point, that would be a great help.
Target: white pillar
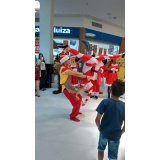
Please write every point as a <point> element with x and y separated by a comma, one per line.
<point>46,30</point>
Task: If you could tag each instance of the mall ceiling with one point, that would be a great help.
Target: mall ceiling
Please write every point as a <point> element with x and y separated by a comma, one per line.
<point>105,11</point>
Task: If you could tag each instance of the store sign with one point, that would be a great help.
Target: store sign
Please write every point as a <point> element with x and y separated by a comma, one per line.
<point>37,30</point>
<point>61,31</point>
<point>56,30</point>
<point>102,36</point>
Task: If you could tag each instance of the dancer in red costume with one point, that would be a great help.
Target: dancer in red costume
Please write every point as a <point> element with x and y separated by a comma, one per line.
<point>97,75</point>
<point>90,62</point>
<point>98,72</point>
<point>67,88</point>
<point>97,79</point>
<point>112,74</point>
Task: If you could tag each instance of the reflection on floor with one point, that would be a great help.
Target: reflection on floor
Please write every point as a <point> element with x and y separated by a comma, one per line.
<point>58,138</point>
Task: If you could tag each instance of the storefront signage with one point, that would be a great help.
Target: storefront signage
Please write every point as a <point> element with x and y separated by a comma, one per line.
<point>62,31</point>
<point>37,29</point>
<point>102,36</point>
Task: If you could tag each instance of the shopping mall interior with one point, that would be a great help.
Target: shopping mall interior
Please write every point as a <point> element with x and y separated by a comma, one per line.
<point>56,136</point>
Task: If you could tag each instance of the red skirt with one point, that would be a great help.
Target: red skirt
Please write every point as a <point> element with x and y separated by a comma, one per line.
<point>37,70</point>
<point>111,78</point>
<point>37,77</point>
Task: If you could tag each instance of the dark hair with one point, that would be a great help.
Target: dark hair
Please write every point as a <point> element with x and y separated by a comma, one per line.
<point>57,58</point>
<point>123,55</point>
<point>39,55</point>
<point>118,88</point>
<point>77,59</point>
<point>93,55</point>
<point>42,56</point>
<point>104,61</point>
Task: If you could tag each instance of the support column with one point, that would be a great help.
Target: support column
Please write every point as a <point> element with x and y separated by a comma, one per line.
<point>122,47</point>
<point>82,37</point>
<point>46,36</point>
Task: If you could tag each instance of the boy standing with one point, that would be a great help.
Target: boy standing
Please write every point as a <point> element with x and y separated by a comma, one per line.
<point>109,120</point>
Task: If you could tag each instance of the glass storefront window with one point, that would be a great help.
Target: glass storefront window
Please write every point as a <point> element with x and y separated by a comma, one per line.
<point>72,43</point>
<point>113,48</point>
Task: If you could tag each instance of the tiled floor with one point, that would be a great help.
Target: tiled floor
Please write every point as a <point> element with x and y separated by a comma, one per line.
<point>58,138</point>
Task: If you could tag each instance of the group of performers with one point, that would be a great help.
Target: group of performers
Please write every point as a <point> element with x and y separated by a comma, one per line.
<point>90,78</point>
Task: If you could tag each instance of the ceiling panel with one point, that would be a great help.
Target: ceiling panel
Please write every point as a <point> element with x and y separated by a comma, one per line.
<point>112,11</point>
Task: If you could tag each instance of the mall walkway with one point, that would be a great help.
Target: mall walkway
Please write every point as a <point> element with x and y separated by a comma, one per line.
<point>58,138</point>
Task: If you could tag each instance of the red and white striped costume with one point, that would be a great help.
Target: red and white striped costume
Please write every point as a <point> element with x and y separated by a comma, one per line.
<point>98,70</point>
<point>89,62</point>
<point>87,86</point>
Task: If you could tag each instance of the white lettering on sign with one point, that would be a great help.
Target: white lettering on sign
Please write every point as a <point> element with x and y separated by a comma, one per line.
<point>57,30</point>
<point>61,30</point>
<point>37,29</point>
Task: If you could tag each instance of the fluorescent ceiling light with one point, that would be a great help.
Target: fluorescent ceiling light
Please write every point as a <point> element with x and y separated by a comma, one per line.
<point>37,4</point>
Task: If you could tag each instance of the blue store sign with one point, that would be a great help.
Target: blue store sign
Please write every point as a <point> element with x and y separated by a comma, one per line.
<point>102,36</point>
<point>62,31</point>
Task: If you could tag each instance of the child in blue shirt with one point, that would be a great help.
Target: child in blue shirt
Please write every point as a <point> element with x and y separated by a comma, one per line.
<point>109,120</point>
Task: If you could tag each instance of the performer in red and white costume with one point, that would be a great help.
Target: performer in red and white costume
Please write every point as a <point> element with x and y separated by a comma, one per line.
<point>112,74</point>
<point>113,69</point>
<point>67,88</point>
<point>98,71</point>
<point>96,78</point>
<point>89,62</point>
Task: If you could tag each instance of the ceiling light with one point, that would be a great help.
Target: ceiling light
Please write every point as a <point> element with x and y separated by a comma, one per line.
<point>37,4</point>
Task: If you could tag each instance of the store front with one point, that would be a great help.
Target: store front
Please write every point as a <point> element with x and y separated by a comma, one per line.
<point>100,42</point>
<point>62,36</point>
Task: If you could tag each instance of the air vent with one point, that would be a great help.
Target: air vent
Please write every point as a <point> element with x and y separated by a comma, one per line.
<point>96,25</point>
<point>36,19</point>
